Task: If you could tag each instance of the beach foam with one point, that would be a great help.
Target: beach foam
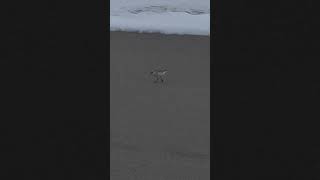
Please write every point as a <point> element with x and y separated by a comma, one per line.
<point>161,16</point>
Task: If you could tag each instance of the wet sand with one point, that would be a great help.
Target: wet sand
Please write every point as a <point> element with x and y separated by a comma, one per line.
<point>159,131</point>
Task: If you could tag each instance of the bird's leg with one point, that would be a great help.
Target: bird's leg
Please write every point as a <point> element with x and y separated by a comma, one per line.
<point>156,80</point>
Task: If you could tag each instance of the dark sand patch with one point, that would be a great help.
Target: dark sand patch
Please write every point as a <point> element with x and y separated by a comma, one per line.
<point>160,131</point>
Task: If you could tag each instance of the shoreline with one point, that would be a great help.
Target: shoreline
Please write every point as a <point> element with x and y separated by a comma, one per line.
<point>156,33</point>
<point>166,23</point>
<point>159,35</point>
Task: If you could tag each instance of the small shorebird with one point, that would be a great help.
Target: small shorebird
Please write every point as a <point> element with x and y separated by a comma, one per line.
<point>159,74</point>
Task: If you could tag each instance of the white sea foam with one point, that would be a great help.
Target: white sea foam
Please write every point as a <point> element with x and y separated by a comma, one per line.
<point>163,16</point>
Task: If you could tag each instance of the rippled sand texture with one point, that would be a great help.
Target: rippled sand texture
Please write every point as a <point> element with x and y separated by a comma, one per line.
<point>160,131</point>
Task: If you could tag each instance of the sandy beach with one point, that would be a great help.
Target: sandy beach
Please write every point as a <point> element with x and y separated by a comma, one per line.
<point>159,131</point>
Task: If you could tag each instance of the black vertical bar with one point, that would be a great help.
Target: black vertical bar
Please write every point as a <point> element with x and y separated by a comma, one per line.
<point>266,91</point>
<point>55,76</point>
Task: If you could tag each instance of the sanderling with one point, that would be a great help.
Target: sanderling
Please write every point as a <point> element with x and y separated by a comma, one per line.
<point>159,74</point>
